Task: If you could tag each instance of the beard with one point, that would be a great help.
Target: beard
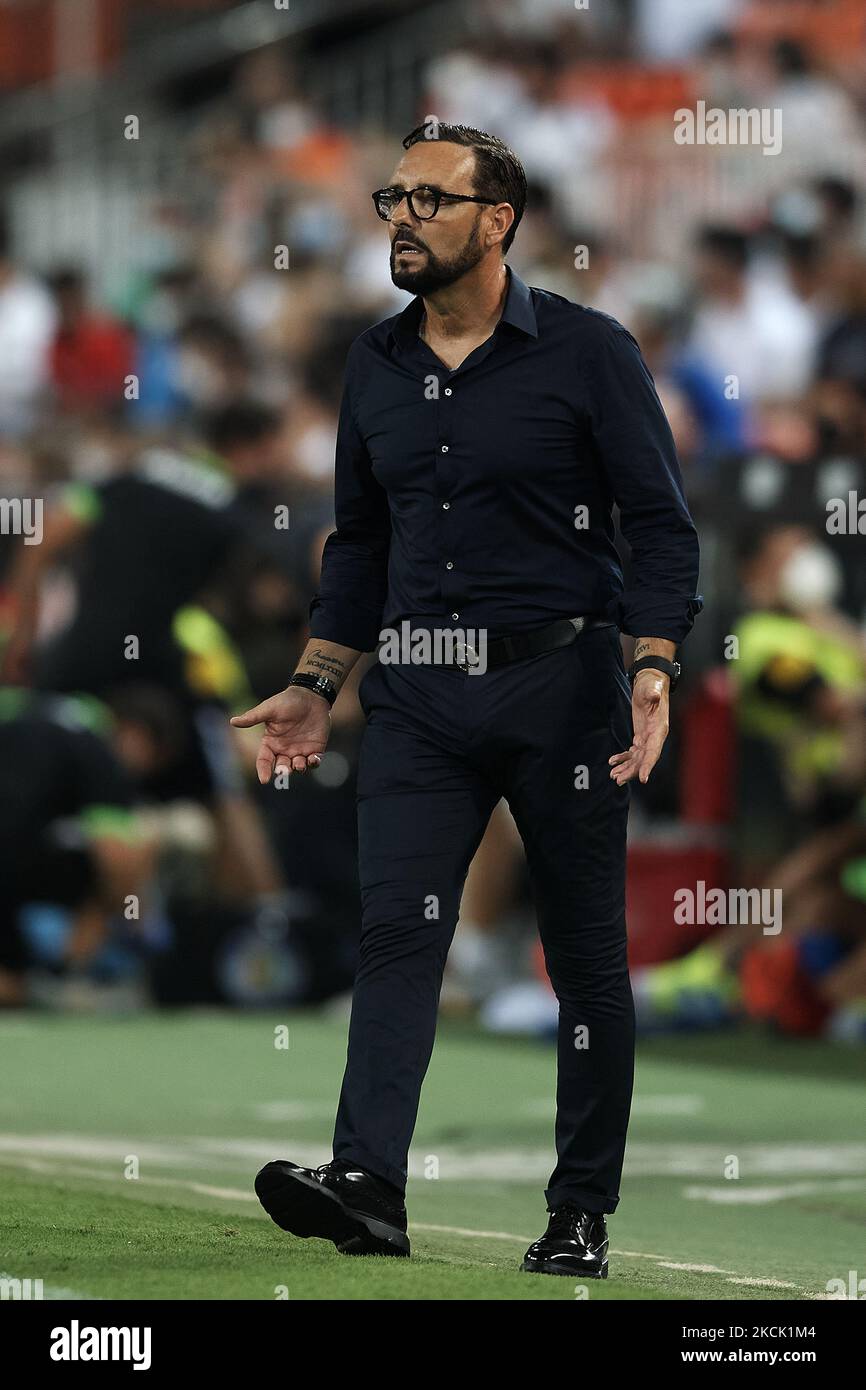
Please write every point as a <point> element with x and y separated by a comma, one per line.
<point>434,273</point>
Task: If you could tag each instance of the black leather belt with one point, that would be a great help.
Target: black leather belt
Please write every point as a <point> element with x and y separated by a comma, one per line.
<point>538,640</point>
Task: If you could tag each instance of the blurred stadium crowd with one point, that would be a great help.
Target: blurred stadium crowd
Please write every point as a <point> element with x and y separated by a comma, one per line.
<point>176,413</point>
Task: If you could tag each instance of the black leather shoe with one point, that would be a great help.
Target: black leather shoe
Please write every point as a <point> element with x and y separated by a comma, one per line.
<point>337,1202</point>
<point>575,1243</point>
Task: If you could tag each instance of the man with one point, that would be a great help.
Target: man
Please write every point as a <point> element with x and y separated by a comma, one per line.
<point>485,433</point>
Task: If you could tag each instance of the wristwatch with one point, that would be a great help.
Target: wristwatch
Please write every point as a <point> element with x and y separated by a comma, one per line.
<point>656,663</point>
<point>320,685</point>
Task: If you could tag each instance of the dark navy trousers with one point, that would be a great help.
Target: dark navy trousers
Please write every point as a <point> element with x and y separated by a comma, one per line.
<point>441,747</point>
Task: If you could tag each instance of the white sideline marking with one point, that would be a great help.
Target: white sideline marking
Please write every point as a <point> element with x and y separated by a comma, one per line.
<point>643,1158</point>
<point>234,1194</point>
<point>545,1107</point>
<point>734,1194</point>
<point>466,1231</point>
<point>79,1170</point>
<point>693,1268</point>
<point>229,1194</point>
<point>765,1283</point>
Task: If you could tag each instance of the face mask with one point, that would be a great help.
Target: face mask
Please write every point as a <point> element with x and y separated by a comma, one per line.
<point>811,578</point>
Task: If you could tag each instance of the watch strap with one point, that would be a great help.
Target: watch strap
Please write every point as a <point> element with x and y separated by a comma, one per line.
<point>656,663</point>
<point>320,685</point>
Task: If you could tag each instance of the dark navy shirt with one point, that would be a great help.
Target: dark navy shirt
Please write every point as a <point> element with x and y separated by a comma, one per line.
<point>483,497</point>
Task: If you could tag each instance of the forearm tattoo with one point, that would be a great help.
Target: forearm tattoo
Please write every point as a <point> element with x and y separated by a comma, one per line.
<point>330,666</point>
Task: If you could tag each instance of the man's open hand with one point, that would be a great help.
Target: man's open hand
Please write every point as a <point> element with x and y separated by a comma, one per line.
<point>297,724</point>
<point>649,708</point>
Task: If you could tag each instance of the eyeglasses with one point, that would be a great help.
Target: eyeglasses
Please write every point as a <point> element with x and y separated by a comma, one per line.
<point>423,202</point>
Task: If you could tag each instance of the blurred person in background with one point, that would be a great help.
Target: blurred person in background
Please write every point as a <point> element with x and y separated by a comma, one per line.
<point>673,30</point>
<point>800,676</point>
<point>70,838</point>
<point>213,362</point>
<point>747,323</point>
<point>799,670</point>
<point>92,353</point>
<point>146,545</point>
<point>819,114</point>
<point>28,323</point>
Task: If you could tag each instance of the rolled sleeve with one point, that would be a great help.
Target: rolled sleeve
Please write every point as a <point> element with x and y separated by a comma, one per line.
<point>638,456</point>
<point>350,601</point>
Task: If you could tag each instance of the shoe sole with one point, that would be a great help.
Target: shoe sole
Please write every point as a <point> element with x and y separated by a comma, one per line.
<point>304,1208</point>
<point>549,1267</point>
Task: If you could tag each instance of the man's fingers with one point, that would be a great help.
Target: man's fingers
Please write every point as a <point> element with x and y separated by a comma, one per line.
<point>269,764</point>
<point>646,767</point>
<point>257,715</point>
<point>630,753</point>
<point>652,753</point>
<point>306,762</point>
<point>265,765</point>
<point>625,768</point>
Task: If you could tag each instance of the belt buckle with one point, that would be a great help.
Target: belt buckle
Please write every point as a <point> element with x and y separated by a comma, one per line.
<point>466,656</point>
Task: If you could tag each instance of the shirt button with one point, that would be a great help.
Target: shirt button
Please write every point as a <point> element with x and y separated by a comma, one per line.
<point>454,617</point>
<point>446,506</point>
<point>447,390</point>
<point>450,565</point>
<point>445,448</point>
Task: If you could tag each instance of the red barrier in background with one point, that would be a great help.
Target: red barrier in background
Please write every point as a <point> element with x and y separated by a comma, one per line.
<point>708,752</point>
<point>655,874</point>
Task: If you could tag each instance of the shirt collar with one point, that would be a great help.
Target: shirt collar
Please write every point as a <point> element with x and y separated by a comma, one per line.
<point>519,312</point>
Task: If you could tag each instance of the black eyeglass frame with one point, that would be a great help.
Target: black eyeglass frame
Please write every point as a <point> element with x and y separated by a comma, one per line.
<point>438,196</point>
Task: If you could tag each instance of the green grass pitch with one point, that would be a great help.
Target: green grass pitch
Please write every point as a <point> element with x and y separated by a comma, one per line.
<point>128,1149</point>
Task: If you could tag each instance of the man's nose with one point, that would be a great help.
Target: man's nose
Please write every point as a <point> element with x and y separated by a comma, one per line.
<point>403,216</point>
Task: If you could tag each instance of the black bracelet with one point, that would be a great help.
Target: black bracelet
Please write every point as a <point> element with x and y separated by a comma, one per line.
<point>320,685</point>
<point>656,663</point>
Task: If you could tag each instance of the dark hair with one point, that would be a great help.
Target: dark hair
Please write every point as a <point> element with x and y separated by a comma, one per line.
<point>66,278</point>
<point>499,173</point>
<point>209,330</point>
<point>728,243</point>
<point>238,422</point>
<point>791,58</point>
<point>841,194</point>
<point>151,708</point>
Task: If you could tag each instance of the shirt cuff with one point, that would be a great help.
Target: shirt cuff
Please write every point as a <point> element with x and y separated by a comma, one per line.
<point>669,616</point>
<point>350,628</point>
